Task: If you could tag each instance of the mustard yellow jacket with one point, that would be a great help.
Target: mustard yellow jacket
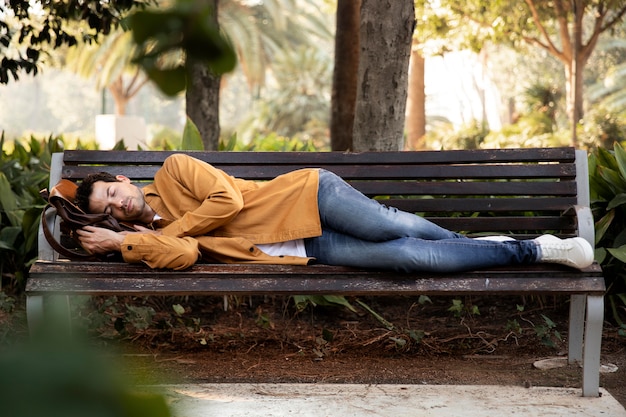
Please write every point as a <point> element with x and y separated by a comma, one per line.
<point>220,218</point>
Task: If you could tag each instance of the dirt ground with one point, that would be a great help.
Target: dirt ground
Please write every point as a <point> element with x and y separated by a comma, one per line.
<point>486,341</point>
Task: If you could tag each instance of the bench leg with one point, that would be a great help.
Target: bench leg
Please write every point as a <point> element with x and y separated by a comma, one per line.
<point>59,315</point>
<point>593,341</point>
<point>578,304</point>
<point>34,312</point>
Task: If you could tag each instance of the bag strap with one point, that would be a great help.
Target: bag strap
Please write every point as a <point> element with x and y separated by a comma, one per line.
<point>57,245</point>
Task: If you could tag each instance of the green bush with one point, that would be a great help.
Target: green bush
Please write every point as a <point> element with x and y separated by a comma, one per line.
<point>607,179</point>
<point>24,171</point>
<point>602,128</point>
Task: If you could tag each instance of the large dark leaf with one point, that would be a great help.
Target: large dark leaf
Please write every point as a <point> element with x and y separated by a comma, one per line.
<point>186,28</point>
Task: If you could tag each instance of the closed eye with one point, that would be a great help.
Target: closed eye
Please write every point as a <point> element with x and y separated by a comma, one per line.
<point>110,193</point>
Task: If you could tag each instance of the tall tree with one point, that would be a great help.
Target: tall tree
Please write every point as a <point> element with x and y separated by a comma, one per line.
<point>202,97</point>
<point>343,97</point>
<point>385,46</point>
<point>415,124</point>
<point>568,30</point>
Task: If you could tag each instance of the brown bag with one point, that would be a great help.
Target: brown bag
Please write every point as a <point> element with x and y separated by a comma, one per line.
<point>61,198</point>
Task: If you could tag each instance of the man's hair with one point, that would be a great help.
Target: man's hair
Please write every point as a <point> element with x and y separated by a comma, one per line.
<point>84,190</point>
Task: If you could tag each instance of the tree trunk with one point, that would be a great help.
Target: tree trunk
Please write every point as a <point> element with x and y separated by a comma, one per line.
<point>343,99</point>
<point>575,72</point>
<point>116,88</point>
<point>416,102</point>
<point>202,98</point>
<point>385,45</point>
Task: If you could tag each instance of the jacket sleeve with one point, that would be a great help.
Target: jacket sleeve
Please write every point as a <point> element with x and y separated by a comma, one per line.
<point>159,251</point>
<point>206,197</point>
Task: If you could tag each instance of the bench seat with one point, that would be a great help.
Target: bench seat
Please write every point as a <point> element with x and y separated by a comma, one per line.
<point>248,279</point>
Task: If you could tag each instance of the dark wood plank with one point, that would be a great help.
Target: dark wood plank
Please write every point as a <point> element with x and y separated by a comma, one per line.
<point>453,205</point>
<point>508,223</point>
<point>101,278</point>
<point>563,154</point>
<point>385,172</point>
<point>467,188</point>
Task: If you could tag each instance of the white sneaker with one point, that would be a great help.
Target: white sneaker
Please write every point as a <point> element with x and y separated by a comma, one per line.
<point>575,252</point>
<point>495,238</point>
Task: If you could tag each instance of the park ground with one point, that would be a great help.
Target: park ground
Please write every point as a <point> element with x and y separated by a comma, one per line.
<point>474,341</point>
<point>482,341</point>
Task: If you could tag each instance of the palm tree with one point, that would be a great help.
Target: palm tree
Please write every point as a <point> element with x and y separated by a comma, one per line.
<point>260,30</point>
<point>110,64</point>
<point>299,103</point>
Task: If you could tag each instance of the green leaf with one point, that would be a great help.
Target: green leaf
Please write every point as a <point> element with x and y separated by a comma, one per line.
<point>619,253</point>
<point>620,159</point>
<point>620,239</point>
<point>9,235</point>
<point>378,317</point>
<point>169,81</point>
<point>147,24</point>
<point>423,299</point>
<point>178,309</point>
<point>8,199</point>
<point>400,342</point>
<point>618,200</point>
<point>548,321</point>
<point>613,179</point>
<point>5,246</point>
<point>417,335</point>
<point>600,255</point>
<point>9,202</point>
<point>603,225</point>
<point>186,27</point>
<point>606,159</point>
<point>302,301</point>
<point>192,140</point>
<point>592,162</point>
<point>339,300</point>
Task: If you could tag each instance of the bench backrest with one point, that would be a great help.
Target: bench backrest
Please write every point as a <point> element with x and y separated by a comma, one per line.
<point>522,192</point>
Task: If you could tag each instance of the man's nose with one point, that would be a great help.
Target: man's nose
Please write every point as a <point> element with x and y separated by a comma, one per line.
<point>118,203</point>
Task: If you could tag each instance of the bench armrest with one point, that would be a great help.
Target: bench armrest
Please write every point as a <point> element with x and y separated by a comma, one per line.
<point>586,226</point>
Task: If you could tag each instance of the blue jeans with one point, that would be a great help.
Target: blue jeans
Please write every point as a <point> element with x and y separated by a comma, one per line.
<point>358,231</point>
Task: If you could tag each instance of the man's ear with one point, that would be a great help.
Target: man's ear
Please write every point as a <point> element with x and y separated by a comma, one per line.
<point>122,178</point>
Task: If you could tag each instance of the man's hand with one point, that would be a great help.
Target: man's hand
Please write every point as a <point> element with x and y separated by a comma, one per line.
<point>100,240</point>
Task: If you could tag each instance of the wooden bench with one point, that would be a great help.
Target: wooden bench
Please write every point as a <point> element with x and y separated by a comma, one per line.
<point>519,192</point>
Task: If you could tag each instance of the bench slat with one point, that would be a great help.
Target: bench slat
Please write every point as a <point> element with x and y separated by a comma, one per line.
<point>481,204</point>
<point>216,279</point>
<point>469,188</point>
<point>561,154</point>
<point>350,172</point>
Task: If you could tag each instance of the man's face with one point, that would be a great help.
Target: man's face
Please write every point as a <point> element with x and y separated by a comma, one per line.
<point>121,199</point>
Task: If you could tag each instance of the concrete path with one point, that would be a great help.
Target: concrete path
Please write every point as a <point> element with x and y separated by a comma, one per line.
<point>337,400</point>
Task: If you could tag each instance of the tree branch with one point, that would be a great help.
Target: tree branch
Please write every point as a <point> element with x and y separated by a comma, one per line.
<point>549,45</point>
<point>562,11</point>
<point>617,19</point>
<point>133,88</point>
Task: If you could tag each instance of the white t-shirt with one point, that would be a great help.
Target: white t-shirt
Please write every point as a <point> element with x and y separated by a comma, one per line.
<point>288,248</point>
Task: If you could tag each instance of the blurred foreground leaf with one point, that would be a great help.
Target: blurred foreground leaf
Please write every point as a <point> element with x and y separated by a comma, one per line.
<point>187,29</point>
